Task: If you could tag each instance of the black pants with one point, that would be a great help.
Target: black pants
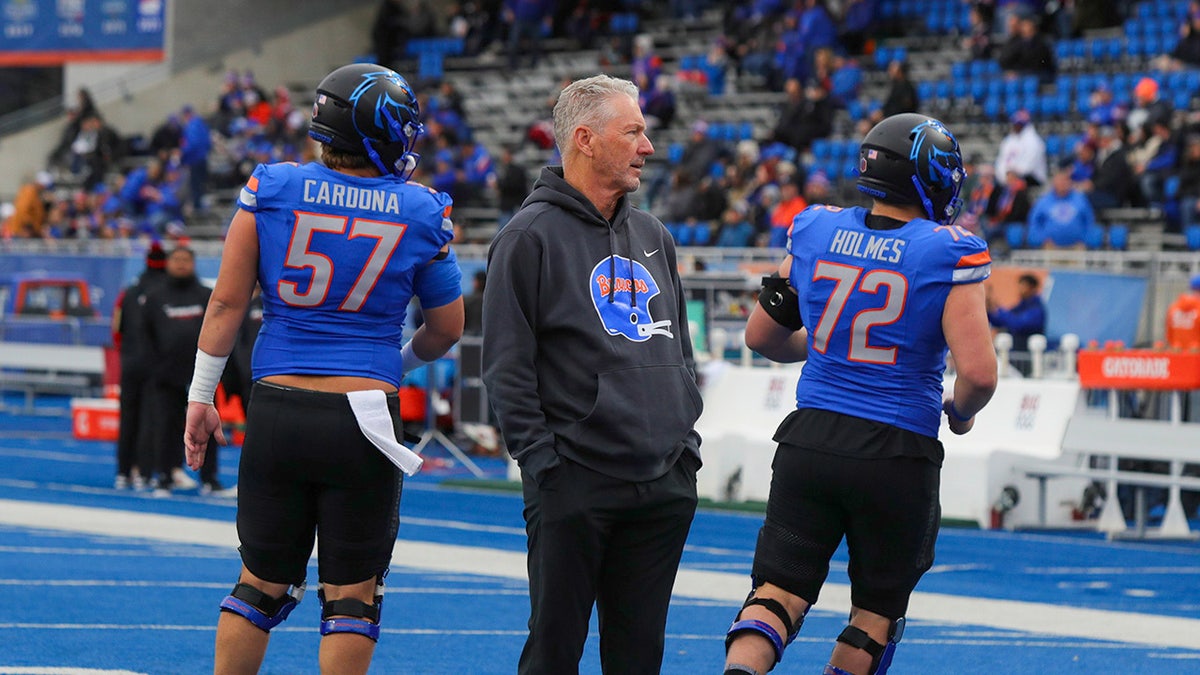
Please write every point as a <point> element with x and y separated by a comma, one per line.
<point>597,539</point>
<point>171,407</point>
<point>133,435</point>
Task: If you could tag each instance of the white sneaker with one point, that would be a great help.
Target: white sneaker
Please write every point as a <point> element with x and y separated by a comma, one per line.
<point>182,480</point>
<point>120,482</point>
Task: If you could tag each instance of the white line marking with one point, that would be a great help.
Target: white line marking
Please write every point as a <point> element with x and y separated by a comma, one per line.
<point>1025,617</point>
<point>12,670</point>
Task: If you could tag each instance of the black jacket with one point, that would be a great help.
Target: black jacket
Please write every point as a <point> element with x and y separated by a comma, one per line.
<point>575,365</point>
<point>127,320</point>
<point>172,316</point>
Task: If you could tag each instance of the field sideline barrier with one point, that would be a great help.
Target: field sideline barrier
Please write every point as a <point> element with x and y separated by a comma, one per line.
<point>1025,421</point>
<point>37,368</point>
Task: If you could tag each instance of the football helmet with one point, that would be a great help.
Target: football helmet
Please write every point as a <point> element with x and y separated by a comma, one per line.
<point>913,159</point>
<point>369,109</point>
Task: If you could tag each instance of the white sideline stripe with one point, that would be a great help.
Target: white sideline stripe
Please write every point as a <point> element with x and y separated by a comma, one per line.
<point>1026,617</point>
<point>6,670</point>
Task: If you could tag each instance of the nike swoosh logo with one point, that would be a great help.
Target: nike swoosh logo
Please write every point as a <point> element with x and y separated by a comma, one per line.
<point>649,253</point>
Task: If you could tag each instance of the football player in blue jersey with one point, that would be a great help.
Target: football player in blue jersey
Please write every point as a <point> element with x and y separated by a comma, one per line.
<point>872,299</point>
<point>339,248</point>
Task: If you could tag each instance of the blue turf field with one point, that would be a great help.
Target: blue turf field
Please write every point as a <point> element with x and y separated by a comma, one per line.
<point>121,582</point>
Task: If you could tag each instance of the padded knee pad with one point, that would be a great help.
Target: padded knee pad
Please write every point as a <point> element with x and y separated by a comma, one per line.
<point>259,608</point>
<point>349,615</point>
<point>763,628</point>
<point>881,655</point>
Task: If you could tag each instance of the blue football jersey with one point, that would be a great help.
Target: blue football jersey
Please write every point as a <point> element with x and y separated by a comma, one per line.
<point>872,301</point>
<point>338,256</point>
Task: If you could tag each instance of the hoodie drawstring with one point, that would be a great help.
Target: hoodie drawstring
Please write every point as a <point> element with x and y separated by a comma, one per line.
<point>632,285</point>
<point>612,266</point>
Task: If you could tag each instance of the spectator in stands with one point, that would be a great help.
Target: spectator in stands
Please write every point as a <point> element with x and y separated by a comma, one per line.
<point>1104,110</point>
<point>527,21</point>
<point>657,100</point>
<point>1155,160</point>
<point>28,220</point>
<point>1114,182</point>
<point>171,320</point>
<point>1023,150</point>
<point>1148,107</point>
<point>83,108</point>
<point>512,185</point>
<point>807,115</point>
<point>902,93</point>
<point>980,188</point>
<point>1186,53</point>
<point>702,151</point>
<point>680,204</point>
<point>1189,181</point>
<point>1027,317</point>
<point>95,150</point>
<point>1093,14</point>
<point>858,21</point>
<point>1028,52</point>
<point>735,230</point>
<point>135,443</point>
<point>1010,204</point>
<point>390,31</point>
<point>1083,165</point>
<point>1061,217</point>
<point>150,198</point>
<point>166,137</point>
<point>194,149</point>
<point>817,188</point>
<point>791,203</point>
<point>1008,14</point>
<point>978,40</point>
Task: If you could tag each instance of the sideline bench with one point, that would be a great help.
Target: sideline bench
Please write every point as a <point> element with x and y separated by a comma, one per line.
<point>1088,436</point>
<point>49,369</point>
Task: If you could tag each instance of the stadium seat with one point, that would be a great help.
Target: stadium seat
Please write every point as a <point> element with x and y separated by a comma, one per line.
<point>1093,237</point>
<point>1192,236</point>
<point>701,234</point>
<point>1014,234</point>
<point>1118,236</point>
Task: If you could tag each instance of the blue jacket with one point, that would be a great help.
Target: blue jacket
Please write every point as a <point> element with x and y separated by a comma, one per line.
<point>1027,317</point>
<point>1062,220</point>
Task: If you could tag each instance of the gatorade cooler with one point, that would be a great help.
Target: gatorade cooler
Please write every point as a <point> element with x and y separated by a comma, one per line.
<point>95,419</point>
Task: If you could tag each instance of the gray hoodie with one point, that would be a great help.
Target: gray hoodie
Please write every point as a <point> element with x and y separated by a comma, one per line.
<point>574,363</point>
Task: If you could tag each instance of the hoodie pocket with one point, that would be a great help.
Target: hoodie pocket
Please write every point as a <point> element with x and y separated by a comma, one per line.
<point>641,412</point>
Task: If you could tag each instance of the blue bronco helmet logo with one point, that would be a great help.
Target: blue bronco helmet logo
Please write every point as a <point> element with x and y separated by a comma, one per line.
<point>393,119</point>
<point>622,300</point>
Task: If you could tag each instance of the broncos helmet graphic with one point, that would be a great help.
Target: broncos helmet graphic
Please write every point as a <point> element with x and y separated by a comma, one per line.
<point>621,292</point>
<point>369,110</point>
<point>913,159</point>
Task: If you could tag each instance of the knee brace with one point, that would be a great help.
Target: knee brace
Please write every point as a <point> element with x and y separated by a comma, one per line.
<point>881,655</point>
<point>349,615</point>
<point>259,608</point>
<point>763,628</point>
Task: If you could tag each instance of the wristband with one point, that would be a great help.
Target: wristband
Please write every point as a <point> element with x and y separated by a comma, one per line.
<point>954,413</point>
<point>409,359</point>
<point>205,377</point>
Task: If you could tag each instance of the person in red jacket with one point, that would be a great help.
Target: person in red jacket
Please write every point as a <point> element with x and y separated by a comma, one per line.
<point>1183,318</point>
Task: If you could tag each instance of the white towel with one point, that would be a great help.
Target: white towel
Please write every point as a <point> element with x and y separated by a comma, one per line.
<point>371,410</point>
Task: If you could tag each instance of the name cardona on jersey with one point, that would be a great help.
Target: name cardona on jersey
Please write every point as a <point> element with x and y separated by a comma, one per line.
<point>350,197</point>
<point>867,246</point>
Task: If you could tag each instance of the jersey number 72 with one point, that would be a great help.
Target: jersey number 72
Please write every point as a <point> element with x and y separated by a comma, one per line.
<point>849,280</point>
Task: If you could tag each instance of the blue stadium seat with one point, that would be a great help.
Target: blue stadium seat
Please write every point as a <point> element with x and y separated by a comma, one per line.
<point>1093,237</point>
<point>856,110</point>
<point>746,131</point>
<point>683,234</point>
<point>822,149</point>
<point>1014,234</point>
<point>926,91</point>
<point>675,152</point>
<point>959,70</point>
<point>1118,236</point>
<point>1053,145</point>
<point>1192,235</point>
<point>701,234</point>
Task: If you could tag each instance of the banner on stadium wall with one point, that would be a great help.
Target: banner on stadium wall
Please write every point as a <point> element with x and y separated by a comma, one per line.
<point>54,32</point>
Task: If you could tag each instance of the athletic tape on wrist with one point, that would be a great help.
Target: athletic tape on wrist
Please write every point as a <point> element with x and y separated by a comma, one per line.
<point>205,377</point>
<point>409,359</point>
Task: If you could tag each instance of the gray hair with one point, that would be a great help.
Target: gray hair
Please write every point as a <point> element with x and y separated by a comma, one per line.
<point>581,103</point>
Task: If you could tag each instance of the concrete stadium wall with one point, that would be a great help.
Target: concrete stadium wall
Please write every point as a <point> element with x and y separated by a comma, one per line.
<point>212,37</point>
